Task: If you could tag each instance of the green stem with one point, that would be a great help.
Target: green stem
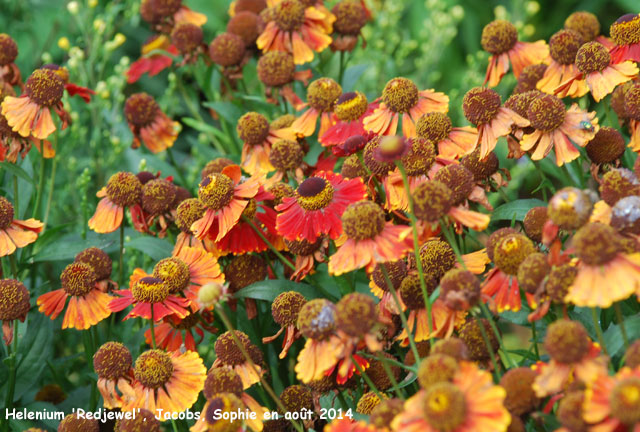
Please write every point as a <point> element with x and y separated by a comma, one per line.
<point>176,167</point>
<point>367,379</point>
<point>341,71</point>
<point>494,328</point>
<point>534,334</point>
<point>121,257</point>
<point>14,265</point>
<point>50,197</point>
<point>153,330</point>
<point>13,352</point>
<point>623,329</point>
<point>487,343</point>
<point>596,324</point>
<point>16,197</point>
<point>284,260</point>
<point>392,378</point>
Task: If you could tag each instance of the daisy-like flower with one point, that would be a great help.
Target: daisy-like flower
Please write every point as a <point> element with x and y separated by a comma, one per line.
<point>173,333</point>
<point>15,233</point>
<point>71,88</point>
<point>451,142</point>
<point>573,357</point>
<point>248,25</point>
<point>588,26</point>
<point>500,39</point>
<point>287,158</point>
<point>9,71</point>
<point>351,16</point>
<point>317,207</point>
<point>401,97</point>
<point>225,198</point>
<point>482,107</point>
<point>558,129</point>
<point>611,403</point>
<point>166,381</point>
<point>123,190</point>
<point>601,75</point>
<point>468,402</point>
<point>632,112</point>
<point>396,271</point>
<point>165,14</point>
<point>307,255</point>
<point>276,70</point>
<point>349,111</point>
<point>228,51</point>
<point>285,310</point>
<point>149,124</point>
<point>599,249</point>
<point>187,38</point>
<point>188,212</point>
<point>322,95</point>
<point>151,297</point>
<point>112,363</point>
<point>101,264</point>
<point>229,356</point>
<point>370,239</point>
<point>88,305</point>
<point>563,47</point>
<point>258,137</point>
<point>13,144</point>
<point>14,304</point>
<point>625,32</point>
<point>151,62</point>
<point>297,29</point>
<point>30,114</point>
<point>157,201</point>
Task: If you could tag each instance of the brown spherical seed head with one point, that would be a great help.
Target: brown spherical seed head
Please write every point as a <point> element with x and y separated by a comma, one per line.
<point>253,128</point>
<point>158,196</point>
<point>471,335</point>
<point>592,57</point>
<point>286,155</point>
<point>74,423</point>
<point>411,290</point>
<point>356,314</point>
<point>44,87</point>
<point>437,258</point>
<point>222,380</point>
<point>520,398</point>
<point>617,184</point>
<point>303,247</point>
<point>228,352</point>
<point>227,49</point>
<point>496,237</point>
<point>511,252</point>
<point>286,307</point>
<point>289,15</point>
<point>546,112</point>
<point>144,421</point>
<point>424,347</point>
<point>569,208</point>
<point>243,270</point>
<point>166,8</point>
<point>585,23</point>
<point>618,100</point>
<point>596,243</point>
<point>498,37</point>
<point>606,146</point>
<point>186,37</point>
<point>480,168</point>
<point>350,17</point>
<point>435,369</point>
<point>215,166</point>
<point>112,361</point>
<point>432,200</point>
<point>98,260</point>
<point>529,77</point>
<point>569,412</point>
<point>368,402</point>
<point>564,45</point>
<point>284,121</point>
<point>189,211</point>
<point>323,93</point>
<point>452,347</point>
<point>632,355</point>
<point>246,24</point>
<point>150,290</point>
<point>276,68</point>
<point>78,279</point>
<point>420,158</point>
<point>297,398</point>
<point>520,102</point>
<point>279,191</point>
<point>434,126</point>
<point>255,6</point>
<point>222,403</point>
<point>400,95</point>
<point>458,179</point>
<point>625,401</point>
<point>480,105</point>
<point>153,368</point>
<point>444,406</point>
<point>350,106</point>
<point>141,109</point>
<point>626,30</point>
<point>317,319</point>
<point>371,162</point>
<point>459,289</point>
<point>14,300</point>
<point>6,213</point>
<point>566,341</point>
<point>174,273</point>
<point>534,221</point>
<point>559,280</point>
<point>124,189</point>
<point>396,271</point>
<point>8,49</point>
<point>378,374</point>
<point>314,193</point>
<point>363,220</point>
<point>216,191</point>
<point>625,215</point>
<point>632,102</point>
<point>532,272</point>
<point>383,414</point>
<point>145,176</point>
<point>352,167</point>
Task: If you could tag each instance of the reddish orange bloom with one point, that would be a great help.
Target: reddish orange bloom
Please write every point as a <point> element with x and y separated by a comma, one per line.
<point>347,424</point>
<point>30,114</point>
<point>151,298</point>
<point>563,47</point>
<point>296,29</point>
<point>230,356</point>
<point>452,142</point>
<point>402,97</point>
<point>152,64</point>
<point>611,402</point>
<point>71,88</point>
<point>317,207</point>
<point>470,403</point>
<point>322,95</point>
<point>9,71</point>
<point>13,144</point>
<point>173,333</point>
<point>149,124</point>
<point>14,305</point>
<point>225,198</point>
<point>500,38</point>
<point>625,32</point>
<point>285,310</point>
<point>88,304</point>
<point>112,363</point>
<point>350,110</point>
<point>15,233</point>
<point>122,190</point>
<point>307,255</point>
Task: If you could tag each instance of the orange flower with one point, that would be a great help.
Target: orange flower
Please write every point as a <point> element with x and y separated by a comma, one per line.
<point>402,97</point>
<point>88,304</point>
<point>13,144</point>
<point>9,71</point>
<point>500,38</point>
<point>611,402</point>
<point>563,47</point>
<point>307,255</point>
<point>152,64</point>
<point>350,110</point>
<point>230,356</point>
<point>451,142</point>
<point>123,190</point>
<point>112,363</point>
<point>470,403</point>
<point>14,305</point>
<point>15,233</point>
<point>149,124</point>
<point>30,114</point>
<point>347,424</point>
<point>625,32</point>
<point>296,29</point>
<point>225,198</point>
<point>322,94</point>
<point>170,382</point>
<point>169,333</point>
<point>285,310</point>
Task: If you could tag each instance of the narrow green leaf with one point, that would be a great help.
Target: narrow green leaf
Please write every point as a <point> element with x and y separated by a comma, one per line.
<point>613,336</point>
<point>351,76</point>
<point>227,110</point>
<point>268,290</point>
<point>16,170</point>
<point>517,209</point>
<point>34,348</point>
<point>154,247</point>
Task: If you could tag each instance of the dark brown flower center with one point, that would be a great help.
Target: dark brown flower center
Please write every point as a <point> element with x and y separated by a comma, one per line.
<point>363,220</point>
<point>498,37</point>
<point>174,273</point>
<point>153,368</point>
<point>78,279</point>
<point>564,45</point>
<point>432,200</point>
<point>356,314</point>
<point>158,196</point>
<point>480,105</point>
<point>286,308</point>
<point>227,49</point>
<point>141,109</point>
<point>6,213</point>
<point>434,126</point>
<point>592,57</point>
<point>596,244</point>
<point>458,179</point>
<point>566,341</point>
<point>289,14</point>
<point>317,319</point>
<point>112,361</point>
<point>276,68</point>
<point>124,189</point>
<point>323,93</point>
<point>546,113</point>
<point>286,155</point>
<point>585,23</point>
<point>626,30</point>
<point>150,290</point>
<point>314,193</point>
<point>351,106</point>
<point>44,87</point>
<point>253,128</point>
<point>400,95</point>
<point>8,49</point>
<point>216,191</point>
<point>511,252</point>
<point>189,211</point>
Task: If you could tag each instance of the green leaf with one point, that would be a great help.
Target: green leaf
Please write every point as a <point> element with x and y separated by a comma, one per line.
<point>518,208</point>
<point>268,290</point>
<point>154,247</point>
<point>198,125</point>
<point>351,76</point>
<point>227,110</point>
<point>35,348</point>
<point>613,336</point>
<point>17,171</point>
<point>68,246</point>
